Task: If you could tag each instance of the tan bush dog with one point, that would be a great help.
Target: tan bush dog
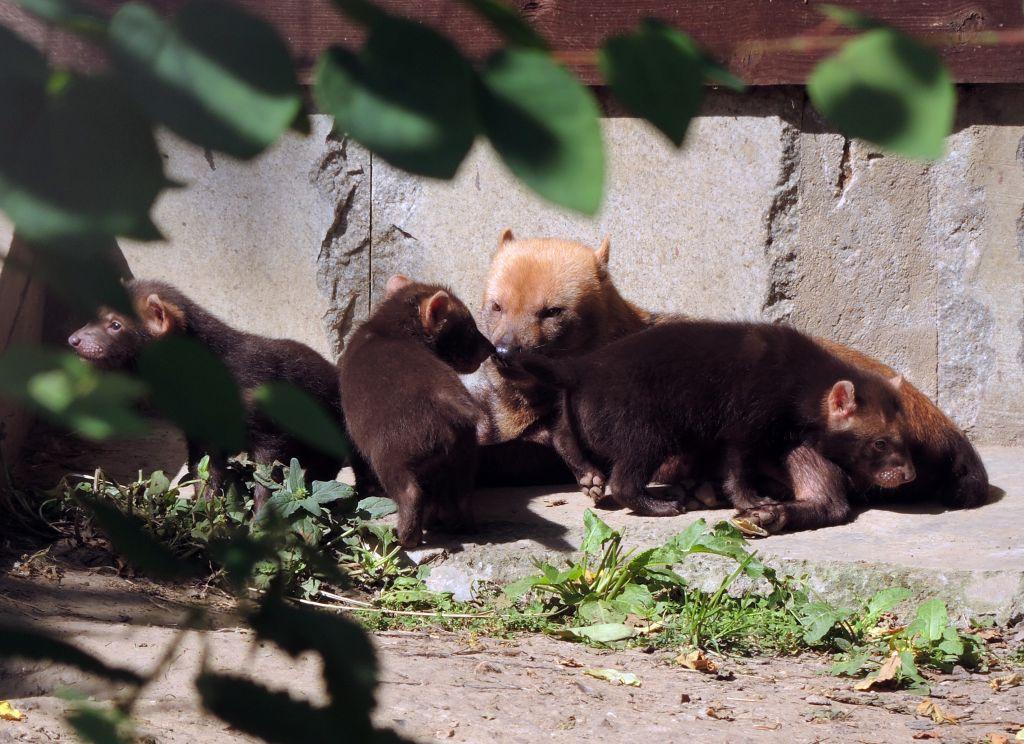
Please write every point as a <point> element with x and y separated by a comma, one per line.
<point>412,422</point>
<point>115,340</point>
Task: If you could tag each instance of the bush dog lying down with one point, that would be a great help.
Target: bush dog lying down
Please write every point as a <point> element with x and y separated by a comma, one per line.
<point>740,393</point>
<point>557,298</point>
<point>413,423</point>
<point>115,340</point>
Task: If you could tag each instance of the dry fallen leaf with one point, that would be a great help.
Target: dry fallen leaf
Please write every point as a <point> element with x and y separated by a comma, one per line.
<point>937,714</point>
<point>886,677</point>
<point>749,528</point>
<point>567,662</point>
<point>556,502</point>
<point>9,713</point>
<point>989,634</point>
<point>931,734</point>
<point>614,676</point>
<point>720,714</point>
<point>697,661</point>
<point>995,738</point>
<point>1006,681</point>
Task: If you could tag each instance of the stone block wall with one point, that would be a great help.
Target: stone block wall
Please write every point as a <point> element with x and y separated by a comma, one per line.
<point>765,213</point>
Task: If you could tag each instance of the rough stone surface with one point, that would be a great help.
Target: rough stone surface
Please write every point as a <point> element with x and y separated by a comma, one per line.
<point>766,213</point>
<point>974,560</point>
<point>692,231</point>
<point>268,245</point>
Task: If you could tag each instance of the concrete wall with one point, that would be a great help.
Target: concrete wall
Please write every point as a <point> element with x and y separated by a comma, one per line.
<point>766,213</point>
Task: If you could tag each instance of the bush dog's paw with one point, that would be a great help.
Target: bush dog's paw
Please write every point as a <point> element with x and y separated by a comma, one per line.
<point>770,519</point>
<point>592,485</point>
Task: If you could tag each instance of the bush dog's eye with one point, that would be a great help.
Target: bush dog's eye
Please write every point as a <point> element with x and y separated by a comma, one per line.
<point>551,312</point>
<point>114,325</point>
<point>881,445</point>
<point>495,307</point>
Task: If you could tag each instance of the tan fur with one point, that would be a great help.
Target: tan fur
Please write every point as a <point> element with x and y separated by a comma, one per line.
<point>527,277</point>
<point>159,316</point>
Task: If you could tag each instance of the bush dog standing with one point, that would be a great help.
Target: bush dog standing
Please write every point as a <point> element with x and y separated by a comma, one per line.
<point>743,391</point>
<point>413,423</point>
<point>115,340</point>
<point>529,275</point>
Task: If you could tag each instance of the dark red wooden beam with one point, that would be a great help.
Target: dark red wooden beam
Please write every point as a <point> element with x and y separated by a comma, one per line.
<point>729,29</point>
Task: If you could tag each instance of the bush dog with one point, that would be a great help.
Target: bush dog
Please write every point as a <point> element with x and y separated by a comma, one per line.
<point>745,391</point>
<point>115,340</point>
<point>413,423</point>
<point>528,276</point>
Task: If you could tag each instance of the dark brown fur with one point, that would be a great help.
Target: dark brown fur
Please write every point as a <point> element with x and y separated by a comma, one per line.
<point>539,273</point>
<point>413,423</point>
<point>739,393</point>
<point>115,340</point>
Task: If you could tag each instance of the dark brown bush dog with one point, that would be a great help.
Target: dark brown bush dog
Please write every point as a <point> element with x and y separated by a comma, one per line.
<point>413,423</point>
<point>744,391</point>
<point>115,340</point>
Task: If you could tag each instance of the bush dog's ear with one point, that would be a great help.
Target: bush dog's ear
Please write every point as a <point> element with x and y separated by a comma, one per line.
<point>842,404</point>
<point>601,254</point>
<point>395,284</point>
<point>159,317</point>
<point>505,238</point>
<point>896,382</point>
<point>434,311</point>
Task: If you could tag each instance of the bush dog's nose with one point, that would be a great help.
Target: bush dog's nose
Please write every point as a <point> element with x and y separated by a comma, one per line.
<point>74,340</point>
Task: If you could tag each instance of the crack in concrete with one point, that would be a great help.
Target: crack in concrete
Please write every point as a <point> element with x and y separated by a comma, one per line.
<point>343,256</point>
<point>782,222</point>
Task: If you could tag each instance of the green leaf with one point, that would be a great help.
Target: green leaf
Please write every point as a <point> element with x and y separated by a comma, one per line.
<point>81,271</point>
<point>69,15</point>
<point>158,485</point>
<point>271,716</point>
<point>327,492</point>
<point>818,619</point>
<point>518,588</point>
<point>100,725</point>
<point>853,666</point>
<point>637,598</point>
<point>658,73</point>
<point>193,388</point>
<point>932,619</point>
<point>296,480</point>
<point>408,97</point>
<point>848,17</point>
<point>76,156</point>
<point>600,632</point>
<point>349,662</point>
<point>299,414</point>
<point>888,89</point>
<point>886,599</point>
<point>377,506</point>
<point>217,75</point>
<point>239,556</point>
<point>506,21</point>
<point>545,126</point>
<point>69,392</point>
<point>601,611</point>
<point>595,532</point>
<point>22,643</point>
<point>131,539</point>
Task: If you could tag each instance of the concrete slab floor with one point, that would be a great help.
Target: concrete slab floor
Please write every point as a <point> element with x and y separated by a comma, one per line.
<point>973,559</point>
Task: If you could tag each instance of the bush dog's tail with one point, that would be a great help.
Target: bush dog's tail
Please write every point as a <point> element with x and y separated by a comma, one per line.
<point>552,373</point>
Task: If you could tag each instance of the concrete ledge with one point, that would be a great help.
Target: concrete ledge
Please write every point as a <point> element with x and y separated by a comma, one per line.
<point>974,560</point>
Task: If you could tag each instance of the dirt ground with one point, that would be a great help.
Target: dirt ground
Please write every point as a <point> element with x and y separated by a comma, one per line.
<point>446,686</point>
